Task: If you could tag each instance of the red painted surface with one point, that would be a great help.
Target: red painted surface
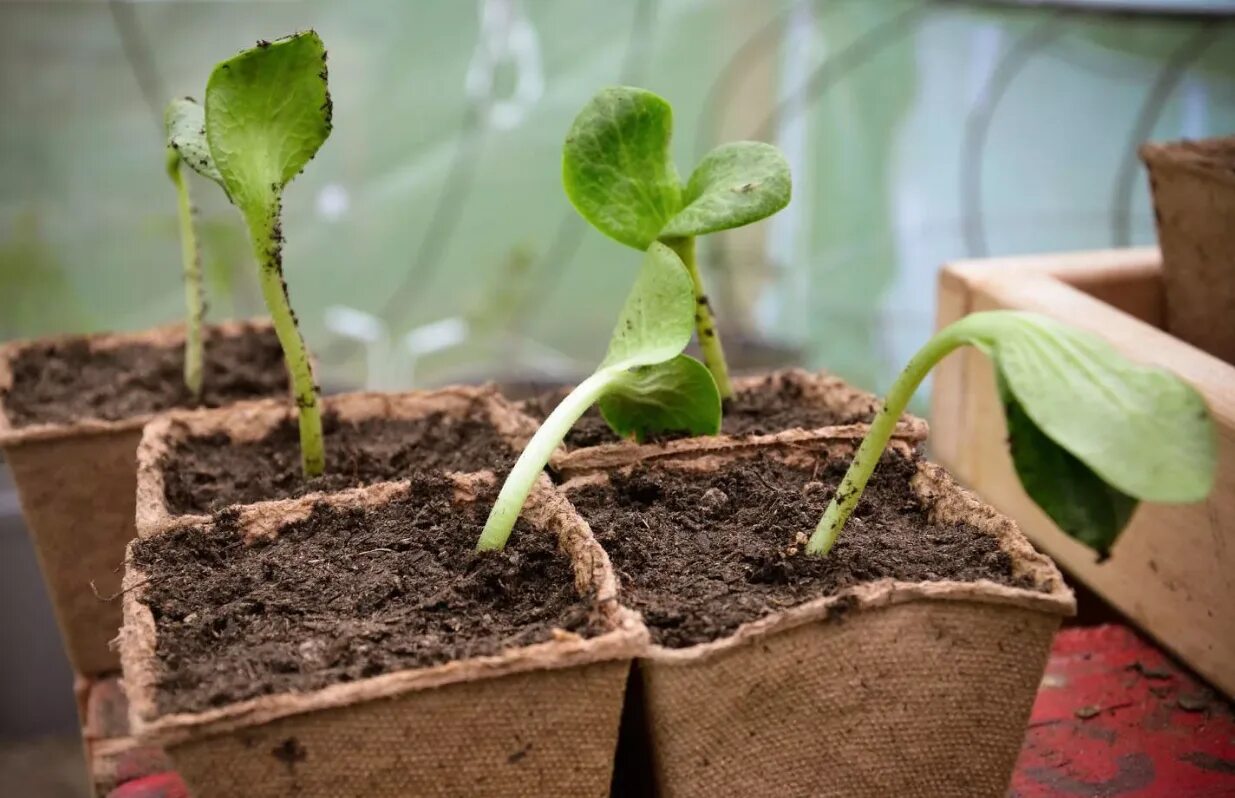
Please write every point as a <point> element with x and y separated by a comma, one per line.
<point>160,785</point>
<point>1115,718</point>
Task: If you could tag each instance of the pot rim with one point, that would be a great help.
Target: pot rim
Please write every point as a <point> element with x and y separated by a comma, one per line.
<point>823,385</point>
<point>168,335</point>
<point>255,420</point>
<point>945,499</point>
<point>546,510</point>
<point>1210,158</point>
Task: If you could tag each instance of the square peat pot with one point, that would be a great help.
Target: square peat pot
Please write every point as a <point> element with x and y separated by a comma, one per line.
<point>375,691</point>
<point>905,663</point>
<point>1172,571</point>
<point>192,464</point>
<point>71,413</point>
<point>763,410</point>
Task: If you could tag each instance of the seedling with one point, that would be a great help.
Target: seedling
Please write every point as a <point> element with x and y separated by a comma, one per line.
<point>186,123</point>
<point>267,112</point>
<point>618,174</point>
<point>1091,434</point>
<point>645,385</point>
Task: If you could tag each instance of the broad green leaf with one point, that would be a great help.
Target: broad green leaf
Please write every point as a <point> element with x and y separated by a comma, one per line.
<point>734,185</point>
<point>1076,499</point>
<point>616,167</point>
<point>186,134</point>
<point>1142,430</point>
<point>678,395</point>
<point>267,113</point>
<point>659,315</point>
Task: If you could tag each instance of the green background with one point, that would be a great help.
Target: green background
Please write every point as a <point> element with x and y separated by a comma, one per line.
<point>919,132</point>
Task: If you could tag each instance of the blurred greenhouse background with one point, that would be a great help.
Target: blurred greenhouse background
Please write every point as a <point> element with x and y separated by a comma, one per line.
<point>430,241</point>
<point>918,131</point>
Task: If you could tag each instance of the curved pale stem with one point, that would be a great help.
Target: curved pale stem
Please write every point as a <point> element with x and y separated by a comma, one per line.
<point>191,259</point>
<point>867,457</point>
<point>705,327</point>
<point>535,457</point>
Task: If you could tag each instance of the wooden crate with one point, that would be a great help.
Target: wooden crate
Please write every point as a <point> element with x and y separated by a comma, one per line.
<point>1173,570</point>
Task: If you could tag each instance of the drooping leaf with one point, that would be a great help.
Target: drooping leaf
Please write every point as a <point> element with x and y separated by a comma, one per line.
<point>1076,499</point>
<point>267,112</point>
<point>678,395</point>
<point>1142,430</point>
<point>734,185</point>
<point>616,167</point>
<point>659,315</point>
<point>186,134</point>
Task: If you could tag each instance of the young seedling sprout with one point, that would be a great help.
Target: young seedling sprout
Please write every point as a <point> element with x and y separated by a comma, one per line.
<point>645,384</point>
<point>618,174</point>
<point>1091,434</point>
<point>267,112</point>
<point>186,127</point>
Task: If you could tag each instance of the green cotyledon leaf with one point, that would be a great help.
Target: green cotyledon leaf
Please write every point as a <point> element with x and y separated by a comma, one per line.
<point>1142,430</point>
<point>268,110</point>
<point>186,134</point>
<point>734,185</point>
<point>678,395</point>
<point>616,168</point>
<point>1067,490</point>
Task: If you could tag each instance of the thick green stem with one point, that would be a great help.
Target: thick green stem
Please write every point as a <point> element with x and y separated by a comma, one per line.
<point>268,246</point>
<point>705,327</point>
<point>535,456</point>
<point>191,258</point>
<point>868,454</point>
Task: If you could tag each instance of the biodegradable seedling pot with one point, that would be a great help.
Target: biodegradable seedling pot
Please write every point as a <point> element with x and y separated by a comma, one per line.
<point>762,407</point>
<point>371,437</point>
<point>74,462</point>
<point>916,687</point>
<point>529,719</point>
<point>1193,186</point>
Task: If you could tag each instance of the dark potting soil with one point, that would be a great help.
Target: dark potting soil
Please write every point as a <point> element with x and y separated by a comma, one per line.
<point>347,594</point>
<point>207,473</point>
<point>700,554</point>
<point>65,381</point>
<point>767,407</point>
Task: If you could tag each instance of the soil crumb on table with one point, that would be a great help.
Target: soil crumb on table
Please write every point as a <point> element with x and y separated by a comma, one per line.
<point>65,381</point>
<point>699,554</point>
<point>347,594</point>
<point>766,407</point>
<point>207,473</point>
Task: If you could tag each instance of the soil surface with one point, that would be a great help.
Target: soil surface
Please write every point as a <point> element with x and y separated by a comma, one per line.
<point>207,473</point>
<point>764,408</point>
<point>700,554</point>
<point>347,594</point>
<point>65,381</point>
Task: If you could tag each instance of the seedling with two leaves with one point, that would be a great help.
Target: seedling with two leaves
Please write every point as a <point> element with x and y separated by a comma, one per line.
<point>1091,434</point>
<point>618,174</point>
<point>644,385</point>
<point>267,111</point>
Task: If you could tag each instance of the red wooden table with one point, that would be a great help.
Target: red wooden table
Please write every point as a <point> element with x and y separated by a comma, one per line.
<point>1115,718</point>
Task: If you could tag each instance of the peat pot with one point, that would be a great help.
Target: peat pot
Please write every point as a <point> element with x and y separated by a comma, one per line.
<point>191,464</point>
<point>71,413</point>
<point>905,663</point>
<point>355,645</point>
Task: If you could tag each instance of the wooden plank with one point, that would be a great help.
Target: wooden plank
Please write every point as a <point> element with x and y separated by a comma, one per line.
<point>1173,570</point>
